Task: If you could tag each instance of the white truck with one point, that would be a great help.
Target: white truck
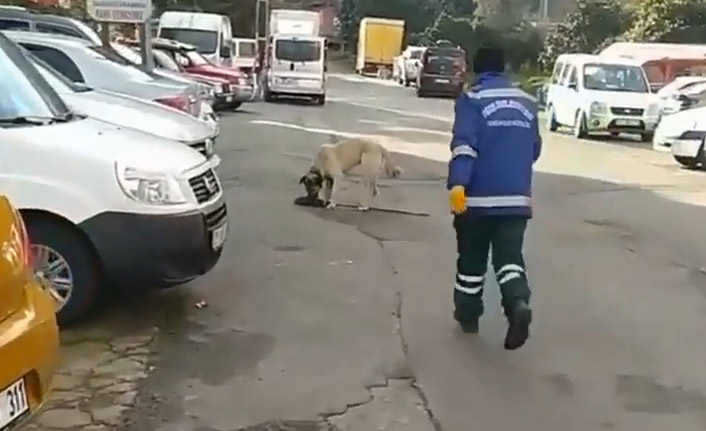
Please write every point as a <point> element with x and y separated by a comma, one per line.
<point>406,67</point>
<point>296,56</point>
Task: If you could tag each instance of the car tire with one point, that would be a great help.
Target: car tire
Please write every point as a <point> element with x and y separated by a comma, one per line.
<point>580,129</point>
<point>234,106</point>
<point>614,134</point>
<point>407,82</point>
<point>320,100</point>
<point>269,97</point>
<point>61,241</point>
<point>646,137</point>
<point>552,125</point>
<point>687,162</point>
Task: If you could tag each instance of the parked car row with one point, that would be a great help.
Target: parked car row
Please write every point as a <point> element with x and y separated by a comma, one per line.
<point>112,170</point>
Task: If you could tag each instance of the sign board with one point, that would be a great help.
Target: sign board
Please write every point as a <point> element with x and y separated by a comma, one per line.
<point>120,11</point>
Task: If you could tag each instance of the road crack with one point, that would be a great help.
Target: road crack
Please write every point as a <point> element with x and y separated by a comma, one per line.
<point>405,378</point>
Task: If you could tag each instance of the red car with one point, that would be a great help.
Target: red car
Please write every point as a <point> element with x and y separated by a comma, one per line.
<point>193,62</point>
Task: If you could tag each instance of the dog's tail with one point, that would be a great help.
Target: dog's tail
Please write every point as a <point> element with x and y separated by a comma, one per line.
<point>391,170</point>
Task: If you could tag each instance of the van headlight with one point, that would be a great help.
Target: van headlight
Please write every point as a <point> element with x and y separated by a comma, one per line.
<point>599,108</point>
<point>149,187</point>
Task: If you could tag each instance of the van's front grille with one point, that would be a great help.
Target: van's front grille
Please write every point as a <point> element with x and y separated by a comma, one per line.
<point>215,218</point>
<point>205,186</point>
<point>627,111</point>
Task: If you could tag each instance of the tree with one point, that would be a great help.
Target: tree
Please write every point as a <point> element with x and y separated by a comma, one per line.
<point>585,29</point>
<point>678,21</point>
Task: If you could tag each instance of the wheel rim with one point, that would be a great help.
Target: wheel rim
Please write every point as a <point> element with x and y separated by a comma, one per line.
<point>54,271</point>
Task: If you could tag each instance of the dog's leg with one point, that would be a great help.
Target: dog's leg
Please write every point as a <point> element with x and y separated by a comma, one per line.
<point>327,190</point>
<point>335,190</point>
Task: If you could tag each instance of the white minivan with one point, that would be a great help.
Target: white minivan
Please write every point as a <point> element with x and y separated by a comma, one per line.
<point>210,33</point>
<point>296,67</point>
<point>594,94</point>
<point>104,205</point>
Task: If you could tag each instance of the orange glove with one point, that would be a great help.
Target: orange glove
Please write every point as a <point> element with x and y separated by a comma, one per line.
<point>457,200</point>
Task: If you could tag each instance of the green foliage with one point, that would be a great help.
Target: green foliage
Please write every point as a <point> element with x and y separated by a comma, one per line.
<point>679,21</point>
<point>585,29</point>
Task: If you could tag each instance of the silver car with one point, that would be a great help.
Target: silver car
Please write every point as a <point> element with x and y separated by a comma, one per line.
<point>131,112</point>
<point>83,62</point>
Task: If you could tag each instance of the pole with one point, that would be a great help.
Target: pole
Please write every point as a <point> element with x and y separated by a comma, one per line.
<point>105,34</point>
<point>545,10</point>
<point>145,30</point>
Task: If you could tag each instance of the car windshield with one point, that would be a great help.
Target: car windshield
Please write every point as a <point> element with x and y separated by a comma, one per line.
<point>165,60</point>
<point>614,77</point>
<point>117,64</point>
<point>298,50</point>
<point>246,49</point>
<point>23,91</point>
<point>205,41</point>
<point>196,58</point>
<point>59,82</point>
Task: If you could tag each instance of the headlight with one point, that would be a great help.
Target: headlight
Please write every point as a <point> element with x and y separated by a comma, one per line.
<point>599,108</point>
<point>148,187</point>
<point>653,110</point>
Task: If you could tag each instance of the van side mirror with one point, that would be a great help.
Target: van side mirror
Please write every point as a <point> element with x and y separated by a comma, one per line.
<point>225,52</point>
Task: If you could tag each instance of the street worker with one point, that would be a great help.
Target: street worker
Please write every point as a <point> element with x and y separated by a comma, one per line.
<point>494,146</point>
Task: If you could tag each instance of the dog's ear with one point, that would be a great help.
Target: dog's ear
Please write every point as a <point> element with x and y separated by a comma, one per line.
<point>302,179</point>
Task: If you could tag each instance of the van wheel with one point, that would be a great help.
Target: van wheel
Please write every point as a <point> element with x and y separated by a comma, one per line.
<point>646,137</point>
<point>687,162</point>
<point>407,82</point>
<point>66,263</point>
<point>235,105</point>
<point>580,129</point>
<point>552,125</point>
<point>269,97</point>
<point>321,100</point>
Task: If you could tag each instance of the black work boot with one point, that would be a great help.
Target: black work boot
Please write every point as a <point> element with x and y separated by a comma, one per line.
<point>468,326</point>
<point>519,317</point>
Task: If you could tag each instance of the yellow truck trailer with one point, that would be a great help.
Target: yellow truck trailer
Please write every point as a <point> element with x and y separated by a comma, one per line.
<point>379,42</point>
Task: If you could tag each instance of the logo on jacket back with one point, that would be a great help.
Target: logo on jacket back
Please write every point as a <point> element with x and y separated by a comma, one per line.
<point>499,104</point>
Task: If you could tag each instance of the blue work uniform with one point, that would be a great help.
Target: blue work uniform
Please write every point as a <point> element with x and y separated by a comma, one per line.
<point>495,143</point>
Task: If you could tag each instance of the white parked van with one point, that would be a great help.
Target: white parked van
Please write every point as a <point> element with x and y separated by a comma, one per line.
<point>210,33</point>
<point>595,94</point>
<point>296,67</point>
<point>102,204</point>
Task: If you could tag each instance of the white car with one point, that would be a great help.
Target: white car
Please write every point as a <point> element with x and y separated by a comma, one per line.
<point>103,205</point>
<point>128,111</point>
<point>597,94</point>
<point>683,134</point>
<point>675,96</point>
<point>406,65</point>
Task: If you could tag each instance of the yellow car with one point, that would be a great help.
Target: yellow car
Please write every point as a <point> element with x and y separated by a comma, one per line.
<point>29,336</point>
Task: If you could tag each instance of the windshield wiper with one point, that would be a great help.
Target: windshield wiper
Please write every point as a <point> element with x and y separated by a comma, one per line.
<point>37,120</point>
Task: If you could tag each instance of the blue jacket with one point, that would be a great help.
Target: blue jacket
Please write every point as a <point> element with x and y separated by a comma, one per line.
<point>495,143</point>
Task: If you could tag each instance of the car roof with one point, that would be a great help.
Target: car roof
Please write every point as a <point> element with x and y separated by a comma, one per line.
<point>47,38</point>
<point>29,15</point>
<point>580,59</point>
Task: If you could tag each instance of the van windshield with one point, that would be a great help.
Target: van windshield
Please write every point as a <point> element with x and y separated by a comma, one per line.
<point>614,77</point>
<point>298,50</point>
<point>23,91</point>
<point>246,49</point>
<point>205,41</point>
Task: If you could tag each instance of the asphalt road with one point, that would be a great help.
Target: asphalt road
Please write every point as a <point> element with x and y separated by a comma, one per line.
<point>342,320</point>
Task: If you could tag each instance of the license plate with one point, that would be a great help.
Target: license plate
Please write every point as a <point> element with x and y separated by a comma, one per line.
<point>627,122</point>
<point>13,403</point>
<point>443,81</point>
<point>218,236</point>
<point>229,99</point>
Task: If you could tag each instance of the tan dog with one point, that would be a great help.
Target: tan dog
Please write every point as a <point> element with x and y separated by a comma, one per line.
<point>333,161</point>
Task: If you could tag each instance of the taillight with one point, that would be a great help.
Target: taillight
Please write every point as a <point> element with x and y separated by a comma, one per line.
<point>179,102</point>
